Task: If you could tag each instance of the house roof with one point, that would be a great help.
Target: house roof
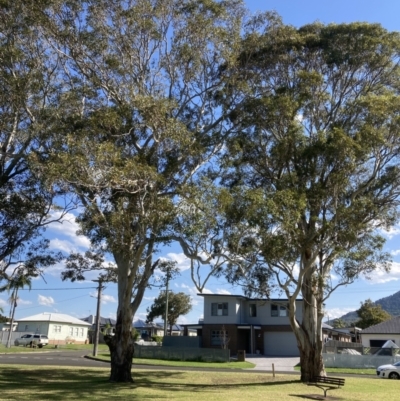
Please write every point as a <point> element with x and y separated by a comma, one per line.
<point>142,324</point>
<point>391,326</point>
<point>327,327</point>
<point>246,298</point>
<point>103,320</point>
<point>54,317</point>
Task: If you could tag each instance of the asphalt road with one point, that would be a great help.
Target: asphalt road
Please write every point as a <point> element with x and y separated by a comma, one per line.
<point>51,358</point>
<point>77,359</point>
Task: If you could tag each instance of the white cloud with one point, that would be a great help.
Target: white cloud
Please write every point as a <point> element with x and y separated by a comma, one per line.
<point>192,290</point>
<point>55,270</point>
<point>223,292</point>
<point>140,315</point>
<point>392,232</point>
<point>63,245</point>
<point>334,313</point>
<point>105,299</point>
<point>183,263</point>
<point>47,301</point>
<point>195,301</point>
<point>23,302</point>
<point>379,276</point>
<point>183,320</point>
<point>395,253</point>
<point>67,228</point>
<point>3,303</point>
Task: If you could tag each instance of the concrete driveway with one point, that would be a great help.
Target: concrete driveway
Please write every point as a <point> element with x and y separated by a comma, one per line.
<point>281,364</point>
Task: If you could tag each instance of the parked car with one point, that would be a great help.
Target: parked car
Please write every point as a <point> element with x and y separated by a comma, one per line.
<point>389,371</point>
<point>31,339</point>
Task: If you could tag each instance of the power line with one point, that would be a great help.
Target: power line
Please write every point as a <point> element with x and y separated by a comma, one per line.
<point>55,303</point>
<point>57,289</point>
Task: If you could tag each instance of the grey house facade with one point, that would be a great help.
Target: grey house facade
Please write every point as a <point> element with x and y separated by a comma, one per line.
<point>258,326</point>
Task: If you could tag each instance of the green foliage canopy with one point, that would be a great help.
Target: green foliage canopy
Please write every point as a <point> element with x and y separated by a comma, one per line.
<point>371,314</point>
<point>178,304</point>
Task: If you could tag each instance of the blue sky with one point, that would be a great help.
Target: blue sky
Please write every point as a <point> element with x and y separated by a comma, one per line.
<point>78,299</point>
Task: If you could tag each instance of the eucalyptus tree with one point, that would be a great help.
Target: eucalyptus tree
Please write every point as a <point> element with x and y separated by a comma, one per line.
<point>136,121</point>
<point>28,83</point>
<point>313,174</point>
<point>371,314</point>
<point>179,304</point>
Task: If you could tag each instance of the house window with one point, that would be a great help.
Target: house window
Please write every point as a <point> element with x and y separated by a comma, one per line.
<point>252,310</point>
<point>71,331</point>
<point>219,309</point>
<point>56,329</point>
<point>76,331</point>
<point>81,331</point>
<point>219,337</point>
<point>279,310</point>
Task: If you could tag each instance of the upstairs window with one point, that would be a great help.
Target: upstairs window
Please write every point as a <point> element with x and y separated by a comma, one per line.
<point>279,311</point>
<point>219,309</point>
<point>252,310</point>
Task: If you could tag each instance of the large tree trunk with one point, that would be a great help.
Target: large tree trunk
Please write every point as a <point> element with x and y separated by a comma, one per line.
<point>121,346</point>
<point>309,333</point>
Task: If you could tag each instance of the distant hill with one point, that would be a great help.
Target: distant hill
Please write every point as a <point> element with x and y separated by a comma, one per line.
<point>390,304</point>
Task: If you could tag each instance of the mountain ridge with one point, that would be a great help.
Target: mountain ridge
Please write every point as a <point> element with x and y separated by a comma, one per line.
<point>390,304</point>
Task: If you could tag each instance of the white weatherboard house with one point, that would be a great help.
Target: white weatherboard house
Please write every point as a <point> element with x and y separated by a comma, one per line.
<point>58,327</point>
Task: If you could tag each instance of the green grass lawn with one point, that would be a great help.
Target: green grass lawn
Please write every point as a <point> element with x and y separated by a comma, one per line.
<point>354,371</point>
<point>181,364</point>
<point>50,383</point>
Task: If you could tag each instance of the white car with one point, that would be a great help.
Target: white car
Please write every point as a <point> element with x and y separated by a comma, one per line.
<point>389,371</point>
<point>31,339</point>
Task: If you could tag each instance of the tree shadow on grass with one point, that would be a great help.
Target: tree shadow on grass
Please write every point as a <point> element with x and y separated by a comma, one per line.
<point>316,397</point>
<point>22,383</point>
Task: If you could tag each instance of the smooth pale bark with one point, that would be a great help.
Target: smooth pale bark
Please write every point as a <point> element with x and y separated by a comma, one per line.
<point>308,332</point>
<point>121,344</point>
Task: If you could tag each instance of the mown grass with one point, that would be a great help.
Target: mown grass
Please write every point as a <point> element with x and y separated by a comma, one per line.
<point>182,364</point>
<point>354,371</point>
<point>50,383</point>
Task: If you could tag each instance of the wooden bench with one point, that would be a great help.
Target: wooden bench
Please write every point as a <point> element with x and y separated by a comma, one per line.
<point>326,383</point>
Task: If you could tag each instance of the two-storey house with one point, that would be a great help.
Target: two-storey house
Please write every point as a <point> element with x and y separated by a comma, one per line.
<point>254,325</point>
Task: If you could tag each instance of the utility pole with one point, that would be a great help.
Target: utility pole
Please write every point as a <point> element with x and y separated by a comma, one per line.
<point>168,277</point>
<point>166,306</point>
<point>97,332</point>
<point>14,305</point>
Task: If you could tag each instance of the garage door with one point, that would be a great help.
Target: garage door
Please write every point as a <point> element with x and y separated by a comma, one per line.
<point>280,344</point>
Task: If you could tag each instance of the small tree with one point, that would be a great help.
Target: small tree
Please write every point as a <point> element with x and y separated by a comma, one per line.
<point>225,339</point>
<point>178,304</point>
<point>339,323</point>
<point>371,314</point>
